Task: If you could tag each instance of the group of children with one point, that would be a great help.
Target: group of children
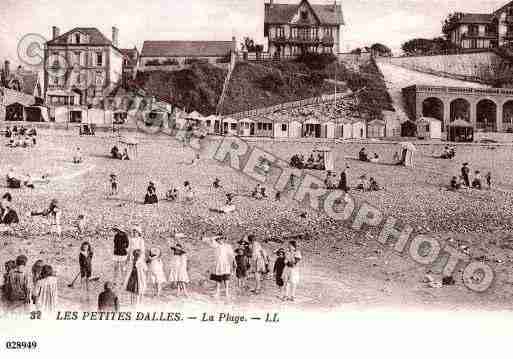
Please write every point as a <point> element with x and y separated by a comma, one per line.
<point>464,179</point>
<point>21,137</point>
<point>21,290</point>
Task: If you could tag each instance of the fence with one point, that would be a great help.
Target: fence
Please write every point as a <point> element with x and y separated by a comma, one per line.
<point>288,105</point>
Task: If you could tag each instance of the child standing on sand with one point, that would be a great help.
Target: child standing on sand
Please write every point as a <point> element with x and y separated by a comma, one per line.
<point>85,260</point>
<point>241,268</point>
<point>488,179</point>
<point>279,266</point>
<point>178,273</point>
<point>156,270</point>
<point>113,185</point>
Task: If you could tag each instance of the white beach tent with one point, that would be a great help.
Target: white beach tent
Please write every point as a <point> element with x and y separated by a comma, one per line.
<point>295,129</point>
<point>408,153</point>
<point>246,127</point>
<point>429,128</point>
<point>229,126</point>
<point>328,129</point>
<point>328,156</point>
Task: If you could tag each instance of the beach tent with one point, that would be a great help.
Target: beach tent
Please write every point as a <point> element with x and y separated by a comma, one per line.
<point>392,124</point>
<point>131,144</point>
<point>328,157</point>
<point>210,123</point>
<point>376,129</point>
<point>407,153</point>
<point>328,129</point>
<point>295,129</point>
<point>460,131</point>
<point>95,116</point>
<point>281,128</point>
<point>36,114</point>
<point>229,126</point>
<point>246,127</point>
<point>429,128</point>
<point>15,112</point>
<point>408,129</point>
<point>359,129</point>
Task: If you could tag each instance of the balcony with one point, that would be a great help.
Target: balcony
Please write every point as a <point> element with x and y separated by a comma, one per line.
<point>304,40</point>
<point>474,35</point>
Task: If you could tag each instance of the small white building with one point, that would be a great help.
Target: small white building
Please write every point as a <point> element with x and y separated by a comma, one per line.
<point>329,129</point>
<point>429,128</point>
<point>295,129</point>
<point>392,124</point>
<point>376,129</point>
<point>281,128</point>
<point>246,127</point>
<point>359,129</point>
<point>230,126</point>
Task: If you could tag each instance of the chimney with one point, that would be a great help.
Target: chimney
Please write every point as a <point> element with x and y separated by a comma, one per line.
<point>115,36</point>
<point>271,3</point>
<point>55,32</point>
<point>234,44</point>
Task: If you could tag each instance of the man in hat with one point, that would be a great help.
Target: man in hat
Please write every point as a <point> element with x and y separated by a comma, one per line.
<point>108,300</point>
<point>18,286</point>
<point>121,244</point>
<point>465,171</point>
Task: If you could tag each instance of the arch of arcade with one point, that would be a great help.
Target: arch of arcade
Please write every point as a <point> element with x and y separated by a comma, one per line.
<point>488,109</point>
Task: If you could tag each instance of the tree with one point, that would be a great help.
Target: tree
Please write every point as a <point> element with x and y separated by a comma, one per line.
<point>436,46</point>
<point>449,23</point>
<point>249,45</point>
<point>381,50</point>
<point>357,51</point>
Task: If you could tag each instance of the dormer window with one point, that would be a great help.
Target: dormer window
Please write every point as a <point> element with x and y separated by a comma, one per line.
<point>77,38</point>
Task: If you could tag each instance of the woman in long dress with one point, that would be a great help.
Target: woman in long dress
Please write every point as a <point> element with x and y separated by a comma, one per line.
<point>135,282</point>
<point>136,243</point>
<point>291,271</point>
<point>224,263</point>
<point>46,291</point>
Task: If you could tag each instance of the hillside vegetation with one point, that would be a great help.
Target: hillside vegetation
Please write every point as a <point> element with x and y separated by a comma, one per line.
<point>256,85</point>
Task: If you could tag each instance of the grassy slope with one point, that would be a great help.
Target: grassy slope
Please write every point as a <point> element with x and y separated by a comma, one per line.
<point>255,85</point>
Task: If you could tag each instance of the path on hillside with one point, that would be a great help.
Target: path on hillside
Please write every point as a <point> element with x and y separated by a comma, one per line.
<point>397,78</point>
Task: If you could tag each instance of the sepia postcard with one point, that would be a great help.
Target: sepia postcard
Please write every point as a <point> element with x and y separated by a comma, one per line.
<point>250,178</point>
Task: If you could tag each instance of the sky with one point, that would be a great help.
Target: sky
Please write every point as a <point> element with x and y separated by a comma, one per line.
<point>367,21</point>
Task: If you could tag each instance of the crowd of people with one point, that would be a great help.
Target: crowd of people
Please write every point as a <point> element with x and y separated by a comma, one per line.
<point>364,156</point>
<point>465,180</point>
<point>118,155</point>
<point>20,136</point>
<point>314,162</point>
<point>139,271</point>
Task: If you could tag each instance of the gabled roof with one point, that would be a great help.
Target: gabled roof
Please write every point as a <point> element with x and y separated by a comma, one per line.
<point>501,9</point>
<point>327,14</point>
<point>186,48</point>
<point>95,37</point>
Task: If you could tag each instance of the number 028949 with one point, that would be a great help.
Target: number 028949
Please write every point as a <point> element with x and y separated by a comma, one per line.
<point>21,345</point>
